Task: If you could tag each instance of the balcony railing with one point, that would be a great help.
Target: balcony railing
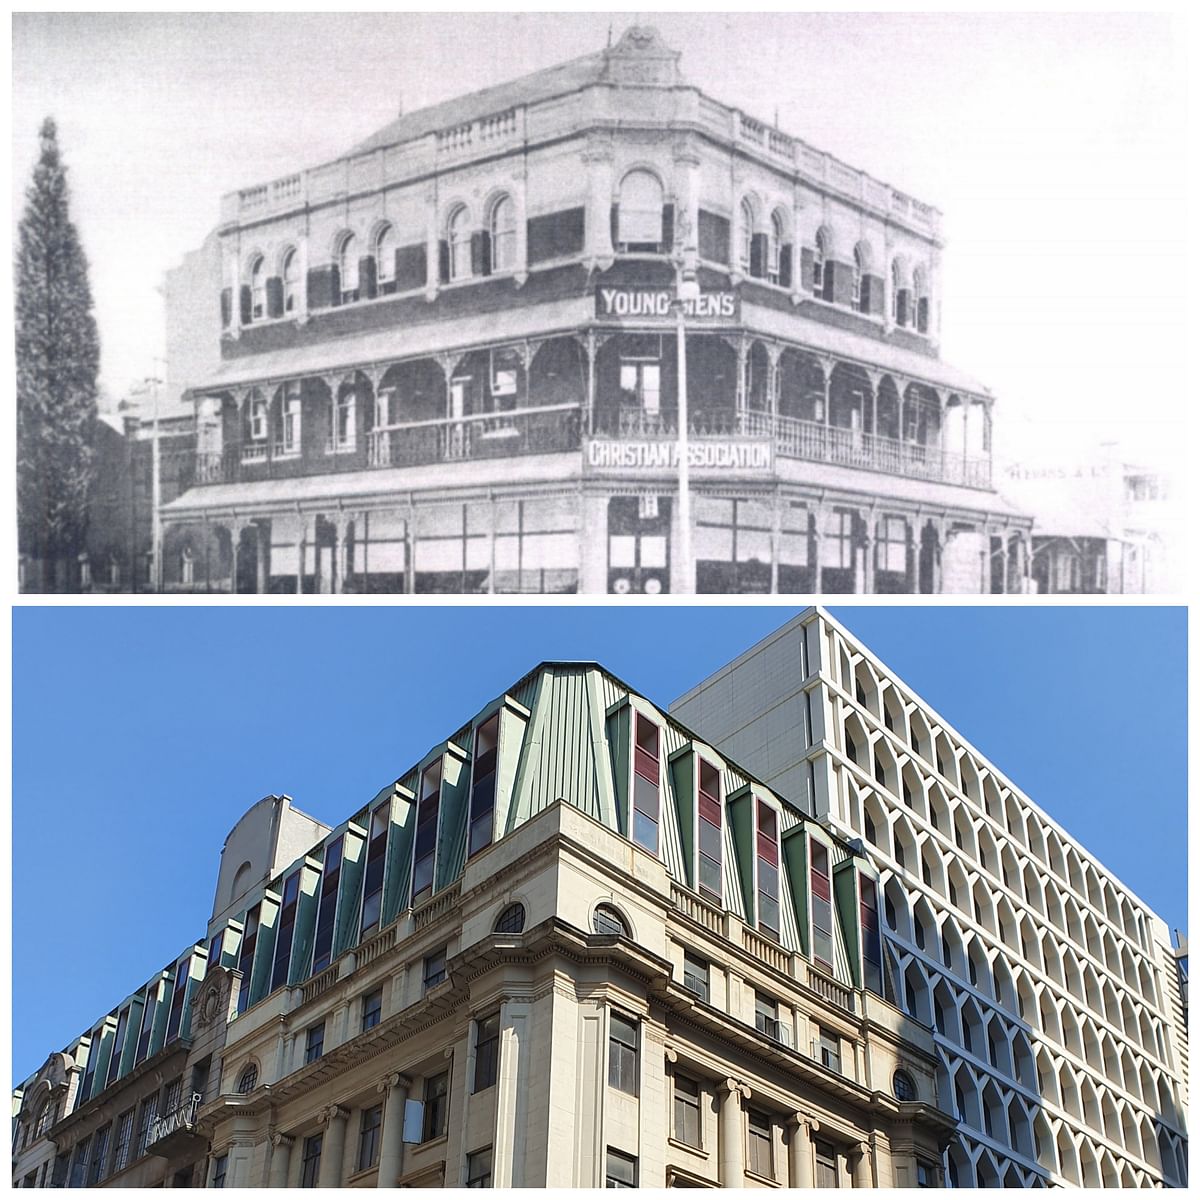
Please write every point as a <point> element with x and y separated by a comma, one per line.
<point>180,1119</point>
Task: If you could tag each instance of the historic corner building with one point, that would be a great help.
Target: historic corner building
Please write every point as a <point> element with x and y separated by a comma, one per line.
<point>1057,1002</point>
<point>571,946</point>
<point>447,361</point>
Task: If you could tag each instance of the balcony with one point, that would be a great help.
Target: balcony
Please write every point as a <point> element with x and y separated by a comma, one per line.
<point>174,1133</point>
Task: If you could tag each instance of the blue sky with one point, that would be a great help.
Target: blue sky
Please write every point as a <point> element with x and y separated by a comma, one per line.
<point>141,735</point>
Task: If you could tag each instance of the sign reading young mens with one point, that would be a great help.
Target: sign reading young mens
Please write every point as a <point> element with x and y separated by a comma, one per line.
<point>707,454</point>
<point>644,302</point>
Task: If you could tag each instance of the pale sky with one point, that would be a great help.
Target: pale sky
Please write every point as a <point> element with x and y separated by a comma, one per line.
<point>1053,143</point>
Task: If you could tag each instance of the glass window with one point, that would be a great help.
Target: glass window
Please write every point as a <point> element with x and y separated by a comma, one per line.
<point>123,1142</point>
<point>747,238</point>
<point>903,1087</point>
<point>511,920</point>
<point>114,1064</point>
<point>687,1110</point>
<point>775,246</point>
<point>437,1098</point>
<point>148,1114</point>
<point>620,1170</point>
<point>817,282</point>
<point>291,419</point>
<point>606,920</point>
<point>99,1156</point>
<point>220,1164</point>
<point>459,237</point>
<point>310,1164</point>
<point>487,1052</point>
<point>646,784</point>
<point>425,842</point>
<point>287,926</point>
<point>767,843</point>
<point>483,785</point>
<point>370,1126</point>
<point>623,1053</point>
<point>248,1080</point>
<point>149,1008</point>
<point>327,906</point>
<point>377,840</point>
<point>504,234</point>
<point>766,1015</point>
<point>385,259</point>
<point>435,968</point>
<point>708,873</point>
<point>246,959</point>
<point>344,417</point>
<point>479,1168</point>
<point>314,1042</point>
<point>372,1009</point>
<point>258,290</point>
<point>761,1161</point>
<point>640,215</point>
<point>822,910</point>
<point>179,986</point>
<point>869,920</point>
<point>79,1163</point>
<point>641,385</point>
<point>830,1047</point>
<point>827,1165</point>
<point>258,422</point>
<point>695,975</point>
<point>291,280</point>
<point>348,268</point>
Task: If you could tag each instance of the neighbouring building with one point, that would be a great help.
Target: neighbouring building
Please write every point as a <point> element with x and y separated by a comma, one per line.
<point>446,361</point>
<point>1101,524</point>
<point>1057,1001</point>
<point>572,945</point>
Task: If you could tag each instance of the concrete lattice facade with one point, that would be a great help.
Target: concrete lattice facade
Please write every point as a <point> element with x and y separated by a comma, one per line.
<point>1053,991</point>
<point>571,945</point>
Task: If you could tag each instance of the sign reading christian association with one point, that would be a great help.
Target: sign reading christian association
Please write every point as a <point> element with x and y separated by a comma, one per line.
<point>641,302</point>
<point>704,454</point>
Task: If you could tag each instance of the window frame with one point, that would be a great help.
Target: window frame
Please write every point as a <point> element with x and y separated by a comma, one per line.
<point>709,805</point>
<point>372,1003</point>
<point>479,1168</point>
<point>693,961</point>
<point>436,1096</point>
<point>647,767</point>
<point>289,278</point>
<point>347,265</point>
<point>328,892</point>
<point>503,237</point>
<point>433,969</point>
<point>624,1036</point>
<point>375,868</point>
<point>428,817</point>
<point>314,1046</point>
<point>385,259</point>
<point>816,876</point>
<point>507,918</point>
<point>310,1161</point>
<point>760,1137</point>
<point>256,276</point>
<point>485,771</point>
<point>458,240</point>
<point>370,1136</point>
<point>690,1103</point>
<point>487,1053</point>
<point>763,842</point>
<point>601,915</point>
<point>612,1157</point>
<point>637,214</point>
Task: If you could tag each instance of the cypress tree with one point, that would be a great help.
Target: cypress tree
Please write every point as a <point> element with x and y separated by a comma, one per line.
<point>58,357</point>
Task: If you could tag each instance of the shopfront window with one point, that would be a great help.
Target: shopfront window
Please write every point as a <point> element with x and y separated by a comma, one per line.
<point>639,544</point>
<point>537,546</point>
<point>733,545</point>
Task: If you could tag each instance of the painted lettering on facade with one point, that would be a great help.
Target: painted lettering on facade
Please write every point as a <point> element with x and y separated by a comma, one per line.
<point>703,455</point>
<point>656,302</point>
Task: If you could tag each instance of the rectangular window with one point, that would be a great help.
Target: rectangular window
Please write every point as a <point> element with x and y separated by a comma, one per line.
<point>827,1165</point>
<point>172,1094</point>
<point>93,1061</point>
<point>114,1063</point>
<point>645,785</point>
<point>695,975</point>
<point>368,1137</point>
<point>822,910</point>
<point>687,1111</point>
<point>620,1170</point>
<point>766,1016</point>
<point>926,1175</point>
<point>767,848</point>
<point>149,1007</point>
<point>372,1009</point>
<point>830,1047</point>
<point>708,874</point>
<point>641,385</point>
<point>183,974</point>
<point>483,785</point>
<point>425,842</point>
<point>246,958</point>
<point>891,547</point>
<point>623,1053</point>
<point>79,1164</point>
<point>314,1042</point>
<point>479,1168</point>
<point>372,904</point>
<point>310,1164</point>
<point>327,906</point>
<point>760,1161</point>
<point>215,949</point>
<point>124,1141</point>
<point>435,968</point>
<point>487,1052</point>
<point>258,419</point>
<point>437,1103</point>
<point>291,419</point>
<point>868,908</point>
<point>344,419</point>
<point>99,1155</point>
<point>281,968</point>
<point>149,1112</point>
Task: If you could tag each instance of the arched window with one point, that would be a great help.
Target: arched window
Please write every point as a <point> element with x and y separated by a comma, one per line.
<point>900,296</point>
<point>921,296</point>
<point>347,263</point>
<point>746,237</point>
<point>822,268</point>
<point>903,1087</point>
<point>775,248</point>
<point>291,279</point>
<point>511,920</point>
<point>640,214</point>
<point>860,298</point>
<point>258,289</point>
<point>344,417</point>
<point>248,1079</point>
<point>258,416</point>
<point>458,236</point>
<point>503,230</point>
<point>385,260</point>
<point>47,1116</point>
<point>608,921</point>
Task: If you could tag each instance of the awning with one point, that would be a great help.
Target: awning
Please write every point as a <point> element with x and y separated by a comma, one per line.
<point>841,343</point>
<point>350,488</point>
<point>324,355</point>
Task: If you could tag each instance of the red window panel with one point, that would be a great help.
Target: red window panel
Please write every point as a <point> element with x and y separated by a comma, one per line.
<point>645,755</point>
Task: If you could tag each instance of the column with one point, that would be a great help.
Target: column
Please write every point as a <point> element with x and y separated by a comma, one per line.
<point>301,553</point>
<point>281,1159</point>
<point>339,523</point>
<point>859,1157</point>
<point>236,528</point>
<point>262,534</point>
<point>233,283</point>
<point>938,551</point>
<point>432,272</point>
<point>800,1155</point>
<point>333,1147</point>
<point>827,381</point>
<point>395,1088</point>
<point>731,1134</point>
<point>598,161</point>
<point>776,539</point>
<point>912,554</point>
<point>743,356</point>
<point>1006,550</point>
<point>868,552</point>
<point>301,301</point>
<point>774,354</point>
<point>589,348</point>
<point>687,207</point>
<point>820,516</point>
<point>521,265</point>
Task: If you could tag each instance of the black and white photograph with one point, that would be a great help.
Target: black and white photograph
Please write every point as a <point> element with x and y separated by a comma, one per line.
<point>614,303</point>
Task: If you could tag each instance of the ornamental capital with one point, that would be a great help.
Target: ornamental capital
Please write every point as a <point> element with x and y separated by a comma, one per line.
<point>334,1112</point>
<point>393,1080</point>
<point>281,1139</point>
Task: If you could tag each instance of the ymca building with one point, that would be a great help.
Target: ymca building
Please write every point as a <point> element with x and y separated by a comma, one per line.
<point>448,362</point>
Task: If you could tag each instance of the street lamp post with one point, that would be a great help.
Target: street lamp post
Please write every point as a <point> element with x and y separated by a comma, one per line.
<point>687,291</point>
<point>156,573</point>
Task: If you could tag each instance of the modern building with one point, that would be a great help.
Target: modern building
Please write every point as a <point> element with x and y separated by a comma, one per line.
<point>1056,999</point>
<point>1102,525</point>
<point>447,361</point>
<point>572,945</point>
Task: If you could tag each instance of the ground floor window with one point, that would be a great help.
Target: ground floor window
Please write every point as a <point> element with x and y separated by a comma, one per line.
<point>639,544</point>
<point>891,545</point>
<point>537,546</point>
<point>732,545</point>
